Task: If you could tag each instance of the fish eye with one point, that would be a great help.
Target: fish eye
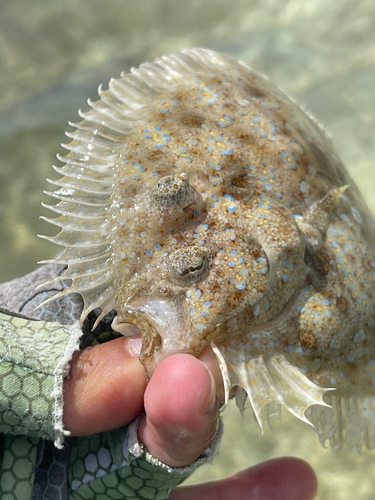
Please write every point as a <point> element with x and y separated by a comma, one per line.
<point>189,265</point>
<point>192,269</point>
<point>173,191</point>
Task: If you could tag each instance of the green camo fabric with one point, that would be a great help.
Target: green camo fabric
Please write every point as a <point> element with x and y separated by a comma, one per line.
<point>33,361</point>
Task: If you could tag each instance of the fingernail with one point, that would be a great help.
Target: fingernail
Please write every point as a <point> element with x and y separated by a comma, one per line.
<point>211,405</point>
<point>135,344</point>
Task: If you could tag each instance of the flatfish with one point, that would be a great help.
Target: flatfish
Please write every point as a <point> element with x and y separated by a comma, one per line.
<point>209,210</point>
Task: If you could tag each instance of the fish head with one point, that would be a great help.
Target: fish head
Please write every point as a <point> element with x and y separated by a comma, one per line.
<point>222,280</point>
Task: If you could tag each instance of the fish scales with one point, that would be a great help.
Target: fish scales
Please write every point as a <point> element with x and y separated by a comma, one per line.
<point>208,209</point>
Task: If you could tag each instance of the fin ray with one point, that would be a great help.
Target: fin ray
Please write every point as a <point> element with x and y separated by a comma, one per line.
<point>350,423</point>
<point>97,141</point>
<point>271,380</point>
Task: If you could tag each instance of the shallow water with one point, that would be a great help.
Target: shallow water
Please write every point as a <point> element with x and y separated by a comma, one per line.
<point>54,54</point>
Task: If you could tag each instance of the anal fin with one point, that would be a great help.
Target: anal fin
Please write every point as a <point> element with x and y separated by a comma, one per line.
<point>350,422</point>
<point>268,381</point>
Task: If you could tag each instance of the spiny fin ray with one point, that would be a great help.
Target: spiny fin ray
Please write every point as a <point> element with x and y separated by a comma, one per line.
<point>85,189</point>
<point>270,380</point>
<point>350,422</point>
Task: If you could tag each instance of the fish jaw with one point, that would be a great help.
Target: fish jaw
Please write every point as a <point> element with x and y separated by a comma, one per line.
<point>163,329</point>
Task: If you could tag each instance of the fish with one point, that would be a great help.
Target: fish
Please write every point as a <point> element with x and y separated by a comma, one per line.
<point>209,210</point>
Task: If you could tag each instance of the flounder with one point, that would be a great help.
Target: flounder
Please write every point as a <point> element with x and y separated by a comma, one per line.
<point>207,209</point>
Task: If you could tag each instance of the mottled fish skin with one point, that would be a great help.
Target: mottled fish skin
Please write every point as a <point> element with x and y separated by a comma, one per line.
<point>207,208</point>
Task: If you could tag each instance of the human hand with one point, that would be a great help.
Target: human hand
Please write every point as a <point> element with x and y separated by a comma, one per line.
<point>107,390</point>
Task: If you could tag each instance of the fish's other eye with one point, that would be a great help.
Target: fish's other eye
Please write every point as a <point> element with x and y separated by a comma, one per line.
<point>173,191</point>
<point>189,265</point>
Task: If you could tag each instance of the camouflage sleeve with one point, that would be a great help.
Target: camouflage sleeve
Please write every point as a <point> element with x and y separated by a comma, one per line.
<point>115,465</point>
<point>34,359</point>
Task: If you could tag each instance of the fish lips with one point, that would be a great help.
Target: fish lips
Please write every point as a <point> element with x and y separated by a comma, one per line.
<point>161,326</point>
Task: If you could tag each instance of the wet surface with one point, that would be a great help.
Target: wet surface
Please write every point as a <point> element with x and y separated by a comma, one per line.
<point>54,55</point>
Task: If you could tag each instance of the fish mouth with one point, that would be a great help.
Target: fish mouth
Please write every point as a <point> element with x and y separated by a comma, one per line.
<point>157,322</point>
<point>143,323</point>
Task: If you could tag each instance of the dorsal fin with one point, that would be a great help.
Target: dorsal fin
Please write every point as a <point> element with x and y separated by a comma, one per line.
<point>86,186</point>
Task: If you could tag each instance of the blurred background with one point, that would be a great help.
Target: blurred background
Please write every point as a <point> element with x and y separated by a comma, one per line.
<point>55,53</point>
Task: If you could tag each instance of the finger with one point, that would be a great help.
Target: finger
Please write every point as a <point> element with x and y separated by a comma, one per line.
<point>209,359</point>
<point>105,388</point>
<point>278,479</point>
<point>181,410</point>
